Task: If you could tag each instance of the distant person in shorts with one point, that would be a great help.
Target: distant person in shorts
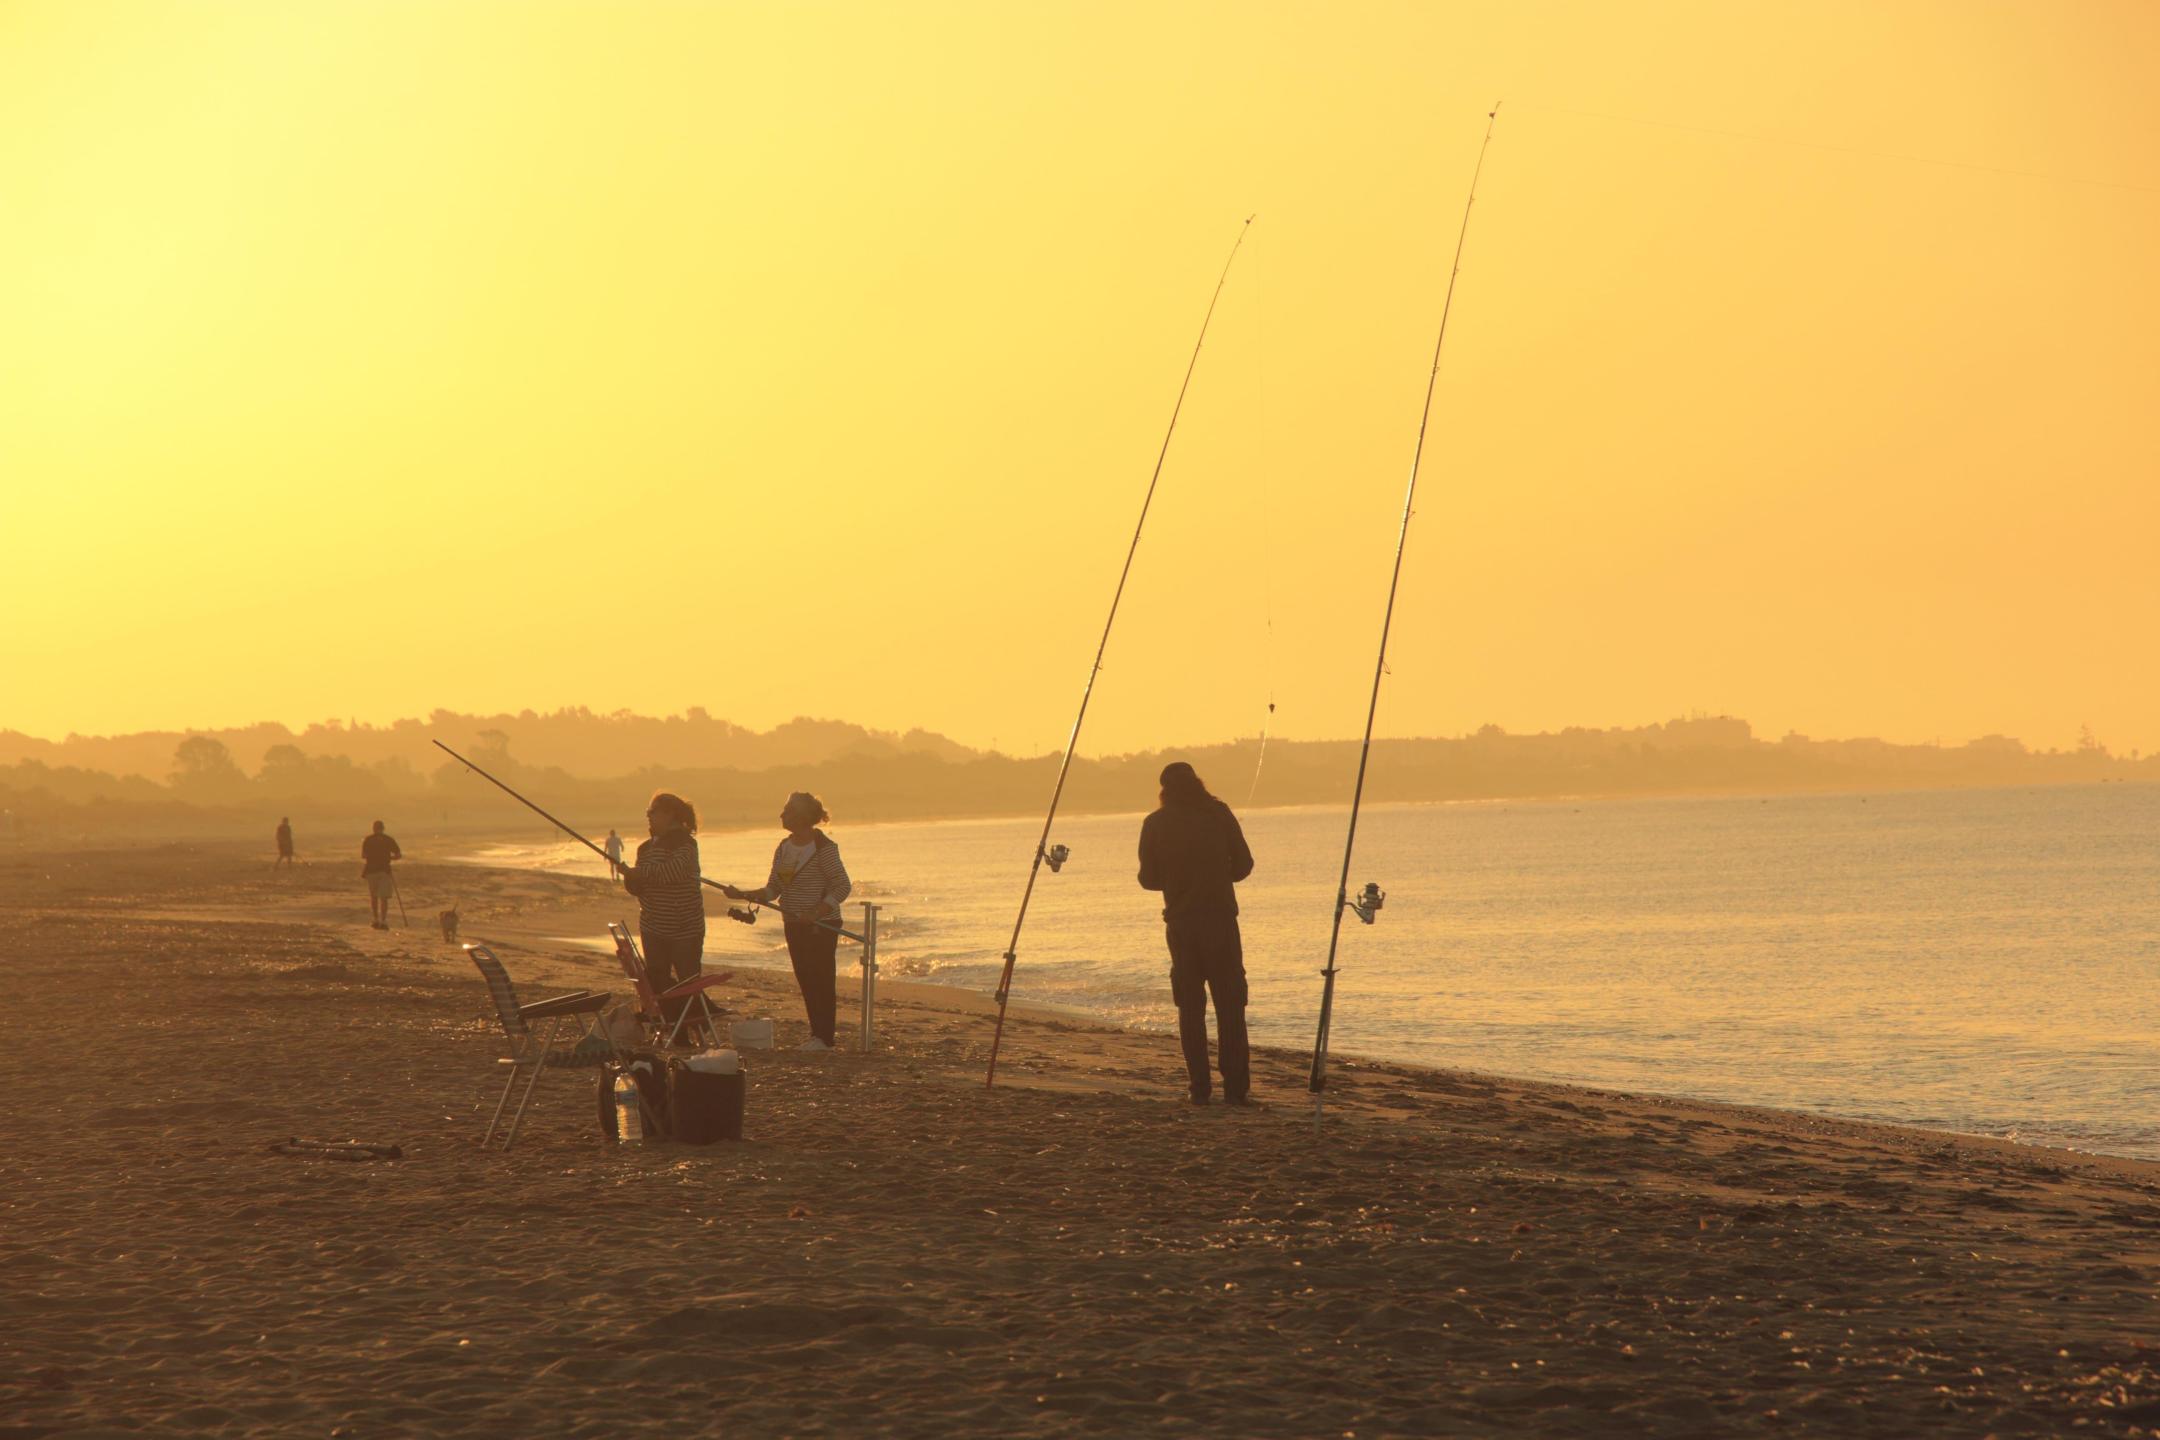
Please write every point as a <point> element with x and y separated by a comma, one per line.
<point>1193,850</point>
<point>376,853</point>
<point>614,854</point>
<point>284,842</point>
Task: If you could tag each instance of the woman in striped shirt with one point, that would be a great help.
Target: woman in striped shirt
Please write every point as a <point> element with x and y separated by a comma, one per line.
<point>808,882</point>
<point>671,906</point>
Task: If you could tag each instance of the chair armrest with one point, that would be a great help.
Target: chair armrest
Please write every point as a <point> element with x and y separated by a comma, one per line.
<point>581,1002</point>
<point>697,984</point>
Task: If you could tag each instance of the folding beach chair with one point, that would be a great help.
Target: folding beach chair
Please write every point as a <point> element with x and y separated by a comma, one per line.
<point>532,1051</point>
<point>694,1003</point>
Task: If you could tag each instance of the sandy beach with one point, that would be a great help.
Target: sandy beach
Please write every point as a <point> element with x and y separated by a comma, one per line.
<point>892,1250</point>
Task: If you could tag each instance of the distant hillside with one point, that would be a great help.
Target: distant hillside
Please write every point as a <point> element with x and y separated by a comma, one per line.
<point>577,740</point>
<point>737,776</point>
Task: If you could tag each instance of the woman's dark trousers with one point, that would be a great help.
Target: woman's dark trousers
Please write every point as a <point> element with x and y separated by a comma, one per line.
<point>1207,957</point>
<point>814,949</point>
<point>670,960</point>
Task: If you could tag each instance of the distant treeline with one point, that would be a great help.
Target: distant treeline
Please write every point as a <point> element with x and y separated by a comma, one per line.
<point>347,775</point>
<point>578,740</point>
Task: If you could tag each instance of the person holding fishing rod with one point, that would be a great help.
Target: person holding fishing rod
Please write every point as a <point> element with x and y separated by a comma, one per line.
<point>809,883</point>
<point>1193,851</point>
<point>671,900</point>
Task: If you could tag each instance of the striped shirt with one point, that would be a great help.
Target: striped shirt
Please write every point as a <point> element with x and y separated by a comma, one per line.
<point>807,891</point>
<point>665,880</point>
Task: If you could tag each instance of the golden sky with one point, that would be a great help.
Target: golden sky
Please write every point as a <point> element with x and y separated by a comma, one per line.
<point>358,359</point>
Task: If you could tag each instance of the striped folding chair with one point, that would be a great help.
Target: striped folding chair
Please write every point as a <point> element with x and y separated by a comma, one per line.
<point>691,1005</point>
<point>532,1051</point>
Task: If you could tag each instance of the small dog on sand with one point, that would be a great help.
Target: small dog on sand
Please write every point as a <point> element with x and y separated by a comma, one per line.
<point>449,924</point>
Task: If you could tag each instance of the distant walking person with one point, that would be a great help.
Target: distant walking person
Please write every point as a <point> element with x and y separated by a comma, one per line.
<point>1193,851</point>
<point>376,853</point>
<point>284,842</point>
<point>809,883</point>
<point>614,854</point>
<point>671,904</point>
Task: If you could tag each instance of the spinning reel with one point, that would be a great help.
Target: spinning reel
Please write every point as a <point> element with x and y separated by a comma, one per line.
<point>1368,903</point>
<point>1056,856</point>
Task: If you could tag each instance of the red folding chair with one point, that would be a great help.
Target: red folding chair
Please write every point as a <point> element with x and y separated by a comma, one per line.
<point>690,1001</point>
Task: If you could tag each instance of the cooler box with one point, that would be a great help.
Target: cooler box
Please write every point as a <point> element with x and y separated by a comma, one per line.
<point>707,1098</point>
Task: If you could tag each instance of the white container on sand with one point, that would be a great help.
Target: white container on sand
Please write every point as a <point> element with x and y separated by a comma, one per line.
<point>751,1034</point>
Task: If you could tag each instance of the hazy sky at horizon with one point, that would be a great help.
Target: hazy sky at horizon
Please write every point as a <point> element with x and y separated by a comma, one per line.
<point>810,359</point>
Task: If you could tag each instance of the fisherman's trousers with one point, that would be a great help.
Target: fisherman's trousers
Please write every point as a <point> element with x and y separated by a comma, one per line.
<point>1207,957</point>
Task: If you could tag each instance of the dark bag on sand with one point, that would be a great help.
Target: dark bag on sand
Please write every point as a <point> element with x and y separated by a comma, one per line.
<point>705,1106</point>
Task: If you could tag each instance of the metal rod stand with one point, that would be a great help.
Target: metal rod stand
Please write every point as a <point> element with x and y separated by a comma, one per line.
<point>869,975</point>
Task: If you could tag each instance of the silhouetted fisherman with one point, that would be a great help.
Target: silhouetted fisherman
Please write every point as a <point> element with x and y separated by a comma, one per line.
<point>376,853</point>
<point>1193,851</point>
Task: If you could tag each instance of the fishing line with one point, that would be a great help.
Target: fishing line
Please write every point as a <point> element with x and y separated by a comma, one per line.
<point>1267,539</point>
<point>1044,851</point>
<point>1368,903</point>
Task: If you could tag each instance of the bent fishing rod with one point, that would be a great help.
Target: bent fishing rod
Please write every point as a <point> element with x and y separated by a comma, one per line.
<point>1369,901</point>
<point>575,835</point>
<point>1044,850</point>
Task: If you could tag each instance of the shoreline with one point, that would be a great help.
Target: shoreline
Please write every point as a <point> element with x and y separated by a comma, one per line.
<point>963,996</point>
<point>190,825</point>
<point>571,960</point>
<point>574,961</point>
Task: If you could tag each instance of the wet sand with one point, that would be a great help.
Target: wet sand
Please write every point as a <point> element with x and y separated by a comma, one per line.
<point>893,1250</point>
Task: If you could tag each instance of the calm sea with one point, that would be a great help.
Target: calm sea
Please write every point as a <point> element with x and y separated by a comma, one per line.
<point>1981,961</point>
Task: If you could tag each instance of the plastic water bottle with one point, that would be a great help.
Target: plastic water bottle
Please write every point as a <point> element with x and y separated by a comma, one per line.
<point>629,1115</point>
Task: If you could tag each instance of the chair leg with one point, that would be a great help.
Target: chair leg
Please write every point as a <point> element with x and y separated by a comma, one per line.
<point>539,1064</point>
<point>496,1118</point>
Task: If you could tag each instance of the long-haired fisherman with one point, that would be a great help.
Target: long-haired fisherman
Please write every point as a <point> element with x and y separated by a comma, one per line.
<point>1193,850</point>
<point>671,902</point>
<point>808,882</point>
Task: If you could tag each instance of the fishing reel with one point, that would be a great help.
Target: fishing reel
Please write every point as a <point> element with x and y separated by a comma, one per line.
<point>1368,903</point>
<point>1056,856</point>
<point>742,914</point>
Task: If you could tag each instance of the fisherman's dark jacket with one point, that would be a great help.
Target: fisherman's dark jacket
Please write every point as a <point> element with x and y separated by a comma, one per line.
<point>1195,853</point>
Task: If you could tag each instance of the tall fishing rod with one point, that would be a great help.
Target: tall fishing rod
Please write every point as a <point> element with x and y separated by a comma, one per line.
<point>588,844</point>
<point>1368,903</point>
<point>1055,855</point>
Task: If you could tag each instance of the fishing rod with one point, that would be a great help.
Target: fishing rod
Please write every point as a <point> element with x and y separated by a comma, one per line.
<point>1367,905</point>
<point>1045,852</point>
<point>746,917</point>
